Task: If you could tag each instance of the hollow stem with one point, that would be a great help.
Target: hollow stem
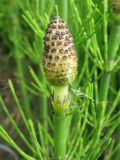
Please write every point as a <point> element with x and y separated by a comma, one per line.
<point>112,50</point>
<point>60,135</point>
<point>61,121</point>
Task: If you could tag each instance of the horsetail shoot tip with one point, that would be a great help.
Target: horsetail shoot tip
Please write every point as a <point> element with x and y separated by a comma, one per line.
<point>60,61</point>
<point>60,66</point>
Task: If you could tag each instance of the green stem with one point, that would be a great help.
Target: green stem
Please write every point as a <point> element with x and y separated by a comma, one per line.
<point>23,91</point>
<point>62,8</point>
<point>61,126</point>
<point>60,136</point>
<point>112,50</point>
<point>43,116</point>
<point>105,79</point>
<point>114,41</point>
<point>104,86</point>
<point>105,27</point>
<point>43,108</point>
<point>43,99</point>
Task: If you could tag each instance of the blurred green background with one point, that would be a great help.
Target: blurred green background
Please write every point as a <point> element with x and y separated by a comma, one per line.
<point>22,29</point>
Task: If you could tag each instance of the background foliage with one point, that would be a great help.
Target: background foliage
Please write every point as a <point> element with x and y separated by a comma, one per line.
<point>26,118</point>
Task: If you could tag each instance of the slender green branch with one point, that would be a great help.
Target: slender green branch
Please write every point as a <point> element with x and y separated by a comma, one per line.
<point>105,22</point>
<point>112,48</point>
<point>113,45</point>
<point>25,101</point>
<point>43,106</point>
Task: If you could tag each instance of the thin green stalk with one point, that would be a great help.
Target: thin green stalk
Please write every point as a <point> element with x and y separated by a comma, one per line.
<point>43,99</point>
<point>104,86</point>
<point>61,121</point>
<point>62,8</point>
<point>114,41</point>
<point>43,106</point>
<point>105,23</point>
<point>25,101</point>
<point>60,136</point>
<point>44,115</point>
<point>112,50</point>
<point>105,79</point>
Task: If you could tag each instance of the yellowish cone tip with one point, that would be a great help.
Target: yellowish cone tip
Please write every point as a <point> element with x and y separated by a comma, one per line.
<point>60,60</point>
<point>116,10</point>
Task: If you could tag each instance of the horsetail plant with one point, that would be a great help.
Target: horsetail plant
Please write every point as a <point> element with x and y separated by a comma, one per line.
<point>60,66</point>
<point>91,113</point>
<point>112,48</point>
<point>113,45</point>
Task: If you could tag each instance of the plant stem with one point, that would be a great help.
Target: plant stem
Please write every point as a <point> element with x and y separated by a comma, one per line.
<point>24,96</point>
<point>43,116</point>
<point>43,98</point>
<point>43,107</point>
<point>61,120</point>
<point>105,24</point>
<point>60,135</point>
<point>62,7</point>
<point>114,41</point>
<point>105,80</point>
<point>112,50</point>
<point>104,86</point>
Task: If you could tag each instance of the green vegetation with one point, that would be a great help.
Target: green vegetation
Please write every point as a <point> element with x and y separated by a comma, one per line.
<point>30,124</point>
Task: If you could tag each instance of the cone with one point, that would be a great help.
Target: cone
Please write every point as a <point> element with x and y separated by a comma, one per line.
<point>60,61</point>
